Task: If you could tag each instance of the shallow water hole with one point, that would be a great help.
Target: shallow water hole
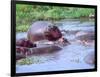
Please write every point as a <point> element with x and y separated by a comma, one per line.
<point>69,58</point>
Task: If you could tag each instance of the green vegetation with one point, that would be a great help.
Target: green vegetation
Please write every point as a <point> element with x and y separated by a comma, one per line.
<point>26,61</point>
<point>26,14</point>
<point>31,60</point>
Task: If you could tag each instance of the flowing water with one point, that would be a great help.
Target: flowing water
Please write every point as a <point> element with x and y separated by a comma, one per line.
<point>71,57</point>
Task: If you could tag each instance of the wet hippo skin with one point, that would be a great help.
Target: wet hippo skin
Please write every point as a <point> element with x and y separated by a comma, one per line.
<point>22,52</point>
<point>40,30</point>
<point>43,30</point>
<point>25,43</point>
<point>90,58</point>
<point>87,38</point>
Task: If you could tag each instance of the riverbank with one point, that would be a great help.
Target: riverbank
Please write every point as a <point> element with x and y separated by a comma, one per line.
<point>24,28</point>
<point>76,55</point>
<point>27,14</point>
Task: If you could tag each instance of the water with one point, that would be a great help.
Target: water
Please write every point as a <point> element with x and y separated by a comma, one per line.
<point>69,58</point>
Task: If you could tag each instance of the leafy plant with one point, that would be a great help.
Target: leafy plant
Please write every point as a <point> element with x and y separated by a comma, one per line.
<point>26,14</point>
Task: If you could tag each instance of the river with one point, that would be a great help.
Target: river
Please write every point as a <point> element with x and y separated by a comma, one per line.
<point>71,57</point>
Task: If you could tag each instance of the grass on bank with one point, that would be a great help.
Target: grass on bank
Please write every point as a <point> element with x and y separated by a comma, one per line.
<point>26,14</point>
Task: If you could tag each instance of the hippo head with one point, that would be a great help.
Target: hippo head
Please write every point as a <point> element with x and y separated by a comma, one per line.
<point>52,33</point>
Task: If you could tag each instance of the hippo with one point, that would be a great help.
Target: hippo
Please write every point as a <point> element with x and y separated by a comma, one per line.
<point>41,30</point>
<point>19,56</point>
<point>87,39</point>
<point>23,52</point>
<point>23,42</point>
<point>38,31</point>
<point>90,58</point>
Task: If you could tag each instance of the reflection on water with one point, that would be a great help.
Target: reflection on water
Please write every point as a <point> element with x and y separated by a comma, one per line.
<point>75,52</point>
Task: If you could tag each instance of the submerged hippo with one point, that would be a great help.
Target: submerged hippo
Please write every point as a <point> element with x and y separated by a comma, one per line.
<point>41,30</point>
<point>19,56</point>
<point>90,58</point>
<point>87,39</point>
<point>23,52</point>
<point>23,42</point>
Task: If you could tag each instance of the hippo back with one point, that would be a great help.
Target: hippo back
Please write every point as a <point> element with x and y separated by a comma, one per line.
<point>41,30</point>
<point>36,31</point>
